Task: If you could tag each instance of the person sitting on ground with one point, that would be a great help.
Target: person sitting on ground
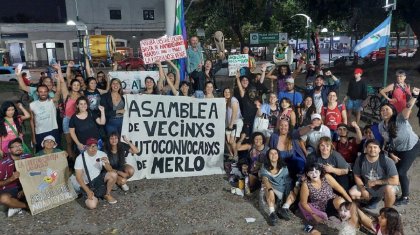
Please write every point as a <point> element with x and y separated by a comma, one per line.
<point>311,133</point>
<point>95,175</point>
<point>275,182</point>
<point>376,177</point>
<point>352,219</point>
<point>347,146</point>
<point>117,152</point>
<point>332,161</point>
<point>49,146</point>
<point>271,111</point>
<point>317,199</point>
<point>11,193</point>
<point>389,222</point>
<point>370,131</point>
<point>333,114</point>
<point>251,165</point>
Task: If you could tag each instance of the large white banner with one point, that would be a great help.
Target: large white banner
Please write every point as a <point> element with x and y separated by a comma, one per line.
<point>177,136</point>
<point>133,81</point>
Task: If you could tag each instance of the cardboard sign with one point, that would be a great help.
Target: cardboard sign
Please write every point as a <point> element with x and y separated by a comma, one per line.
<point>133,81</point>
<point>164,48</point>
<point>236,62</point>
<point>177,136</point>
<point>45,181</point>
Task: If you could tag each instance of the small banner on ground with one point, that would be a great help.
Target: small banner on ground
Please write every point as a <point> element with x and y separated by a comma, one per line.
<point>45,181</point>
<point>133,81</point>
<point>164,48</point>
<point>236,62</point>
<point>177,136</point>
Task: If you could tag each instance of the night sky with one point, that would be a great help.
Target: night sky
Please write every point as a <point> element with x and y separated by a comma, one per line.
<point>33,11</point>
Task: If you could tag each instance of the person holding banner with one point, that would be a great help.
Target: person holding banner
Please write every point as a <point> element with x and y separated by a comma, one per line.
<point>11,124</point>
<point>172,79</point>
<point>11,194</point>
<point>117,152</point>
<point>95,175</point>
<point>114,103</point>
<point>49,146</point>
<point>209,90</point>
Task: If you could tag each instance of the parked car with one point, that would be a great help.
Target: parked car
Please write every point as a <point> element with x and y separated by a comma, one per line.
<point>132,63</point>
<point>7,74</point>
<point>347,61</point>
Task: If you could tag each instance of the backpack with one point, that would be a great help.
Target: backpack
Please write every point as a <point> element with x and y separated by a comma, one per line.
<point>407,94</point>
<point>382,162</point>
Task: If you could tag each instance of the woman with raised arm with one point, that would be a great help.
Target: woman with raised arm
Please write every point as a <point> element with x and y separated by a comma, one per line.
<point>171,79</point>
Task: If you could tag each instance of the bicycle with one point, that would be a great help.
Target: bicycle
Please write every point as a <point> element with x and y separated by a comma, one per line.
<point>373,103</point>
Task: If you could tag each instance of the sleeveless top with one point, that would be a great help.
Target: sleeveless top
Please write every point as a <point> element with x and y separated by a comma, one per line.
<point>119,106</point>
<point>70,107</point>
<point>320,197</point>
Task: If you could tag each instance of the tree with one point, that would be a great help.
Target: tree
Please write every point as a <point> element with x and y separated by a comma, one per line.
<point>409,10</point>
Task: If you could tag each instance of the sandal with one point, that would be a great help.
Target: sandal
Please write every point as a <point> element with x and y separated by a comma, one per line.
<point>110,199</point>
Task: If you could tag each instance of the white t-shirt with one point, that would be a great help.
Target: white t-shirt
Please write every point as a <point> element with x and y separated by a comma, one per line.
<point>94,167</point>
<point>313,136</point>
<point>318,102</point>
<point>45,115</point>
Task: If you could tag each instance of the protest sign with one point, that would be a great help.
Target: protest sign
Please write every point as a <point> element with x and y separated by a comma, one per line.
<point>236,62</point>
<point>177,136</point>
<point>164,48</point>
<point>45,181</point>
<point>133,81</point>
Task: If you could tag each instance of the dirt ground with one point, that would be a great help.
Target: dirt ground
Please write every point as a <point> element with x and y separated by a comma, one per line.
<point>197,205</point>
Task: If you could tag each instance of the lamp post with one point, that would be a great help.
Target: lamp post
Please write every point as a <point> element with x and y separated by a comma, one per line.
<point>390,5</point>
<point>308,24</point>
<point>80,26</point>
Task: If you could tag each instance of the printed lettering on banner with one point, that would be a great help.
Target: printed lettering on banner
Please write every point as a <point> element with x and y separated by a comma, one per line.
<point>45,181</point>
<point>236,62</point>
<point>177,136</point>
<point>133,81</point>
<point>164,48</point>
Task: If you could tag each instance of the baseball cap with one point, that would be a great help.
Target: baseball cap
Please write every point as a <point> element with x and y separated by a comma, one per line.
<point>358,70</point>
<point>290,80</point>
<point>91,141</point>
<point>315,116</point>
<point>342,125</point>
<point>48,137</point>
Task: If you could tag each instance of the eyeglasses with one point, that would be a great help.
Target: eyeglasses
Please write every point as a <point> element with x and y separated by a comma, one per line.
<point>16,147</point>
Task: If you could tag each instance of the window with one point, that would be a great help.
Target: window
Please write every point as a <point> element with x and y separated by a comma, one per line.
<point>115,14</point>
<point>148,14</point>
<point>5,71</point>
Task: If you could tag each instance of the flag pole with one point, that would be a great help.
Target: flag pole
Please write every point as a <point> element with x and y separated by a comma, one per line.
<point>389,7</point>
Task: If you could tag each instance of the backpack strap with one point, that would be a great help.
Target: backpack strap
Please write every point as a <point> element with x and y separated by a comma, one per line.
<point>86,169</point>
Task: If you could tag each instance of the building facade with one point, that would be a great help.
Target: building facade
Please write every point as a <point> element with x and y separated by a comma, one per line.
<point>128,21</point>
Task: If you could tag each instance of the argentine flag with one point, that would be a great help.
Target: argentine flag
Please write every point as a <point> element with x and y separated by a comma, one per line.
<point>376,39</point>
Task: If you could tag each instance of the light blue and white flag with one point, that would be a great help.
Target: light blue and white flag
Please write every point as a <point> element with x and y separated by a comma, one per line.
<point>376,39</point>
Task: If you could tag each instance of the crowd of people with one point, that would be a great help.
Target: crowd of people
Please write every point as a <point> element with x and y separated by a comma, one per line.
<point>302,148</point>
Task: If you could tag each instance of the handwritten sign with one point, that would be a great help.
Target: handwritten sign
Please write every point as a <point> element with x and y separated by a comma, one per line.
<point>236,62</point>
<point>132,82</point>
<point>164,48</point>
<point>177,136</point>
<point>45,181</point>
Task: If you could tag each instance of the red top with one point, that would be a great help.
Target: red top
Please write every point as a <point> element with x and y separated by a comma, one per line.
<point>348,150</point>
<point>333,117</point>
<point>7,167</point>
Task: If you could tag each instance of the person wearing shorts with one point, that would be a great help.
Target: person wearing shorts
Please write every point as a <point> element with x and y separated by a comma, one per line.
<point>356,94</point>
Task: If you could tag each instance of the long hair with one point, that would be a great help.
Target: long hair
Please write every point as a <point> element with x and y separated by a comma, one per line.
<point>3,110</point>
<point>393,220</point>
<point>228,102</point>
<point>120,149</point>
<point>155,89</point>
<point>288,144</point>
<point>120,91</point>
<point>267,163</point>
<point>392,123</point>
<point>78,101</point>
<point>327,140</point>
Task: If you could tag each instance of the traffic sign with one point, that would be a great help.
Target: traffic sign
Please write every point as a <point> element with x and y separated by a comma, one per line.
<point>267,38</point>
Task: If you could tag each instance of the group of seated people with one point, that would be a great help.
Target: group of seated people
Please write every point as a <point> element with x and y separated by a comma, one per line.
<point>304,149</point>
<point>294,145</point>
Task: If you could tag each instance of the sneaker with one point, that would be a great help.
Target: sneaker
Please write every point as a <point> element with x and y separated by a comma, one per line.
<point>402,201</point>
<point>285,213</point>
<point>110,199</point>
<point>13,211</point>
<point>125,187</point>
<point>272,218</point>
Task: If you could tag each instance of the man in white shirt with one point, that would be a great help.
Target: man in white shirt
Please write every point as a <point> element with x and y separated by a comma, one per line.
<point>311,134</point>
<point>99,178</point>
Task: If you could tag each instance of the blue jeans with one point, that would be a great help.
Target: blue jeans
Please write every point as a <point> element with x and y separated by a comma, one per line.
<point>114,124</point>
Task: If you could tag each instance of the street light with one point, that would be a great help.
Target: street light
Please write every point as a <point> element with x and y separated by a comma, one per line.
<point>308,24</point>
<point>80,26</point>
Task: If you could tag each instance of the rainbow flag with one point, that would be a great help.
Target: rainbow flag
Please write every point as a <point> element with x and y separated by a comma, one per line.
<point>181,30</point>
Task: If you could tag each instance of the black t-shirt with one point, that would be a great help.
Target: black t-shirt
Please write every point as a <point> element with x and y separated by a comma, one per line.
<point>94,99</point>
<point>85,128</point>
<point>117,160</point>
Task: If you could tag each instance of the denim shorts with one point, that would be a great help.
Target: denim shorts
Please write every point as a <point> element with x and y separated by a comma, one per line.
<point>66,122</point>
<point>354,105</point>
